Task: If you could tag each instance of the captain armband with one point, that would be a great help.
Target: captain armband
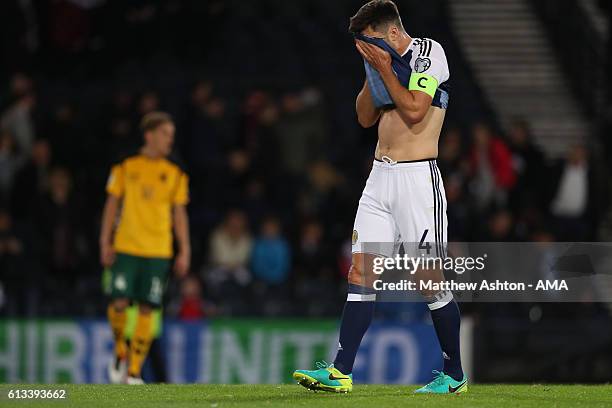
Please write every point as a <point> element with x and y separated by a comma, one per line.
<point>424,83</point>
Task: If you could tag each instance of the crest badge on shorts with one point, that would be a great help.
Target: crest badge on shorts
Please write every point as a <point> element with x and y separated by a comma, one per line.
<point>355,237</point>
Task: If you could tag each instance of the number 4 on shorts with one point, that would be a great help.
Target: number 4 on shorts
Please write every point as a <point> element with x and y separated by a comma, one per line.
<point>423,244</point>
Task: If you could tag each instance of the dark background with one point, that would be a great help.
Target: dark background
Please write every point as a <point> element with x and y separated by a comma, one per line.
<point>263,96</point>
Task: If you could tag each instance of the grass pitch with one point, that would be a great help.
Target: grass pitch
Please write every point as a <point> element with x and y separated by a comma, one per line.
<point>376,396</point>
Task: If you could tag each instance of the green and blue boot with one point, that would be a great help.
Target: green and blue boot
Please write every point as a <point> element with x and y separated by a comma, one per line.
<point>325,378</point>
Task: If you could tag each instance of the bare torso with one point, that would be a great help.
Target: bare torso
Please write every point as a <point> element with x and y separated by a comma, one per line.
<point>402,142</point>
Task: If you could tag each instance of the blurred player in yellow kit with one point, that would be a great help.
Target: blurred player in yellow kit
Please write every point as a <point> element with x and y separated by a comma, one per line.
<point>147,197</point>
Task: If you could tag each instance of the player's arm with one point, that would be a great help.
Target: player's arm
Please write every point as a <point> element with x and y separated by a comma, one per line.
<point>367,113</point>
<point>114,189</point>
<point>109,214</point>
<point>181,225</point>
<point>181,231</point>
<point>412,103</point>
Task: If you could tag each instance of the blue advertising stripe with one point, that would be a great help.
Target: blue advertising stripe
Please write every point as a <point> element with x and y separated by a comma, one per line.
<point>220,351</point>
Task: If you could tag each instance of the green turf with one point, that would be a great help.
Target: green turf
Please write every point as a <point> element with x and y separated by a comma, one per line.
<point>376,396</point>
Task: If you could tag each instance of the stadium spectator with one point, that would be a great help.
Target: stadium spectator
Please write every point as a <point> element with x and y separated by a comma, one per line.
<point>252,111</point>
<point>18,120</point>
<point>301,130</point>
<point>238,170</point>
<point>63,241</point>
<point>207,136</point>
<point>32,181</point>
<point>573,197</point>
<point>230,252</point>
<point>121,124</point>
<point>458,210</point>
<point>270,265</point>
<point>271,258</point>
<point>256,201</point>
<point>455,169</point>
<point>529,165</point>
<point>12,274</point>
<point>149,102</point>
<point>315,275</point>
<point>231,243</point>
<point>491,166</point>
<point>500,227</point>
<point>451,157</point>
<point>319,193</point>
<point>311,250</point>
<point>10,244</point>
<point>10,162</point>
<point>260,137</point>
<point>70,143</point>
<point>191,305</point>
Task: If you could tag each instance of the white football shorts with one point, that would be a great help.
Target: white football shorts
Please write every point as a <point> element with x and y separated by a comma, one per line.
<point>403,203</point>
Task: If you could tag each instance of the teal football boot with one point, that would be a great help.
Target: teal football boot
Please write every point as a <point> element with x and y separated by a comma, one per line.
<point>444,384</point>
<point>325,378</point>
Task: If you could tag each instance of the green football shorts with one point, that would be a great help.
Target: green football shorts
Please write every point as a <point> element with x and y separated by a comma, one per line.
<point>139,279</point>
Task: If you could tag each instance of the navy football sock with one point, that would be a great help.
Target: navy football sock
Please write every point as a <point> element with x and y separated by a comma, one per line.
<point>447,321</point>
<point>356,319</point>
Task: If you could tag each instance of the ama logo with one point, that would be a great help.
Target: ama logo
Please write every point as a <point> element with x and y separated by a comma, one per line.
<point>552,285</point>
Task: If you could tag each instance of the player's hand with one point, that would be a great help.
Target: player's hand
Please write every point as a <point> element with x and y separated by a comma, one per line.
<point>182,264</point>
<point>107,255</point>
<point>378,58</point>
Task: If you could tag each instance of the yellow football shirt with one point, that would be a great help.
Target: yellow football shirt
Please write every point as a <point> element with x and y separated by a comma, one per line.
<point>149,188</point>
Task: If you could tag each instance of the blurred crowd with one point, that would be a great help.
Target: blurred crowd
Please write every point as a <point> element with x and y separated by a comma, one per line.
<point>271,214</point>
<point>268,135</point>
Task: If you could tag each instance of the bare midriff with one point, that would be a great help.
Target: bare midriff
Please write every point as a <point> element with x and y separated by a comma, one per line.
<point>401,141</point>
